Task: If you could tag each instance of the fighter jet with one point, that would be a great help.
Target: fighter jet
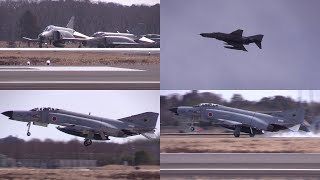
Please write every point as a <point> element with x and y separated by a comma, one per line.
<point>58,35</point>
<point>87,126</point>
<point>235,39</point>
<point>240,120</point>
<point>130,39</point>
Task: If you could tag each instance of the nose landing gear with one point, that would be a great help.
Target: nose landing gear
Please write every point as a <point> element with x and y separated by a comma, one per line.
<point>87,142</point>
<point>28,132</point>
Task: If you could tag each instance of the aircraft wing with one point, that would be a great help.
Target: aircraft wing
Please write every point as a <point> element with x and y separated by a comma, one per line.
<point>228,122</point>
<point>77,34</point>
<point>29,39</point>
<point>236,46</point>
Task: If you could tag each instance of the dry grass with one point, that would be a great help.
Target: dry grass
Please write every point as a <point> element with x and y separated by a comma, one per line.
<point>77,58</point>
<point>172,144</point>
<point>107,172</point>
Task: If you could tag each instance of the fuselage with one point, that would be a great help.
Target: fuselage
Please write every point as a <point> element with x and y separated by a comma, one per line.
<point>228,38</point>
<point>221,114</point>
<point>74,122</point>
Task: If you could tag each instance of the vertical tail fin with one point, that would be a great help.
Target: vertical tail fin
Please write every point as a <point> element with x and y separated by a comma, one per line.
<point>71,23</point>
<point>139,29</point>
<point>147,119</point>
<point>257,39</point>
<point>293,116</point>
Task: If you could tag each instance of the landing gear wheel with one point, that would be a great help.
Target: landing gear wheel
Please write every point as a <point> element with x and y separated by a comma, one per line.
<point>87,142</point>
<point>192,128</point>
<point>28,134</point>
<point>236,132</point>
<point>252,134</point>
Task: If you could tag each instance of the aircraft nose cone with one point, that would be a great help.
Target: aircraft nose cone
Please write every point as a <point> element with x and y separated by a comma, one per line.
<point>174,110</point>
<point>202,34</point>
<point>8,114</point>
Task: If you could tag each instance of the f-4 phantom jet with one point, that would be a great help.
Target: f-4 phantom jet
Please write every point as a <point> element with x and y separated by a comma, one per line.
<point>57,36</point>
<point>87,126</point>
<point>240,120</point>
<point>130,39</point>
<point>235,39</point>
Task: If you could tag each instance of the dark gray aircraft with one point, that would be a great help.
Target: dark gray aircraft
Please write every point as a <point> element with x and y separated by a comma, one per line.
<point>57,36</point>
<point>240,120</point>
<point>130,39</point>
<point>235,39</point>
<point>87,126</point>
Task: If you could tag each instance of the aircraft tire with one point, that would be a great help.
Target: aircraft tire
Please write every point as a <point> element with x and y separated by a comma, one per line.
<point>236,132</point>
<point>252,134</point>
<point>28,134</point>
<point>192,128</point>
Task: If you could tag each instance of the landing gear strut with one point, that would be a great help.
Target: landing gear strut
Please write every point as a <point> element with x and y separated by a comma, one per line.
<point>236,132</point>
<point>252,133</point>
<point>28,133</point>
<point>87,142</point>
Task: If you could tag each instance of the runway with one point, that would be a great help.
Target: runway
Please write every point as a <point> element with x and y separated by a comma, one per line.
<point>113,50</point>
<point>242,165</point>
<point>86,78</point>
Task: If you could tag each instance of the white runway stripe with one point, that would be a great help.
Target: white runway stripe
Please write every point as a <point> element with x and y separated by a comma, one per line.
<point>119,50</point>
<point>217,169</point>
<point>79,82</point>
<point>64,68</point>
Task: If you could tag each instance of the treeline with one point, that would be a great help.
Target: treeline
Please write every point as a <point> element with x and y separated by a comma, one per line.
<point>89,17</point>
<point>139,152</point>
<point>276,103</point>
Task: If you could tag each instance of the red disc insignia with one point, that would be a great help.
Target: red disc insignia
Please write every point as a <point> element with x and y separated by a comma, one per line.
<point>54,118</point>
<point>210,114</point>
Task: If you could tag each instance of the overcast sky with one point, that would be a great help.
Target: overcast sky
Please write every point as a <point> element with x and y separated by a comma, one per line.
<point>256,95</point>
<point>289,58</point>
<point>109,104</point>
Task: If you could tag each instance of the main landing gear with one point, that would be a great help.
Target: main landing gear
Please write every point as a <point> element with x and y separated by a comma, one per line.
<point>236,131</point>
<point>28,133</point>
<point>252,133</point>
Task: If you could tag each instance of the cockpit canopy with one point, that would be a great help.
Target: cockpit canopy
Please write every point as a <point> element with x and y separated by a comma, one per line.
<point>44,109</point>
<point>206,105</point>
<point>49,28</point>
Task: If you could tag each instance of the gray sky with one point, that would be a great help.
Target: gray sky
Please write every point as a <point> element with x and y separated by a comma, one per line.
<point>256,95</point>
<point>289,58</point>
<point>109,104</point>
<point>130,2</point>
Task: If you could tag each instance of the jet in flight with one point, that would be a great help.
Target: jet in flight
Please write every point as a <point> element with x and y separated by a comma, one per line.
<point>235,40</point>
<point>88,126</point>
<point>57,36</point>
<point>240,120</point>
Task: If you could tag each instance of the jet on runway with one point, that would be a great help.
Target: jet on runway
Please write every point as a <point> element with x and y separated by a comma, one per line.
<point>235,39</point>
<point>58,35</point>
<point>240,120</point>
<point>130,39</point>
<point>87,126</point>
